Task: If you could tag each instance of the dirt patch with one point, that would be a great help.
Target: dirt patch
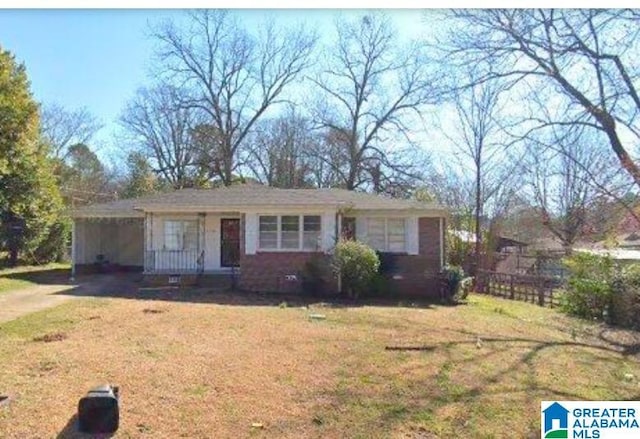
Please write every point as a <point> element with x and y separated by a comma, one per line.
<point>54,336</point>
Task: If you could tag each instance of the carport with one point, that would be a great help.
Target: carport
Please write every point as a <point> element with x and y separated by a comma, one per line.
<point>107,241</point>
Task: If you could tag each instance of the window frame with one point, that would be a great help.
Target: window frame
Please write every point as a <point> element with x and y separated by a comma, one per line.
<point>301,233</point>
<point>386,220</point>
<point>183,228</point>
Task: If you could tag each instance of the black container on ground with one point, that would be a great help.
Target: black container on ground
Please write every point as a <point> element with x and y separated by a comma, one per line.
<point>98,412</point>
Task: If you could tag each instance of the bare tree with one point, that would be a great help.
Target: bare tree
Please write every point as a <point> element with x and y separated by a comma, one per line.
<point>162,127</point>
<point>326,160</point>
<point>478,136</point>
<point>62,128</point>
<point>233,76</point>
<point>586,60</point>
<point>372,90</point>
<point>561,179</point>
<point>280,150</point>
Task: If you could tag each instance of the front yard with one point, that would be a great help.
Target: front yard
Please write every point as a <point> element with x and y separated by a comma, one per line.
<point>246,368</point>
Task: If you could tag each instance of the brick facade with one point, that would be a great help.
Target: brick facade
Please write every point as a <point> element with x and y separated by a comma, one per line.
<point>280,272</point>
<point>411,276</point>
<point>417,275</point>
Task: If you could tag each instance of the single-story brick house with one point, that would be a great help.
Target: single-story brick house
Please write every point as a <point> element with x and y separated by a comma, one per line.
<point>264,236</point>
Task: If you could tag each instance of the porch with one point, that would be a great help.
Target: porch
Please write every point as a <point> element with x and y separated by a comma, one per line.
<point>174,261</point>
<point>191,244</point>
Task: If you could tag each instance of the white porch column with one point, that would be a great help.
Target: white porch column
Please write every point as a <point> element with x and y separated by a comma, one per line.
<point>328,239</point>
<point>250,233</point>
<point>441,243</point>
<point>73,250</point>
<point>148,242</point>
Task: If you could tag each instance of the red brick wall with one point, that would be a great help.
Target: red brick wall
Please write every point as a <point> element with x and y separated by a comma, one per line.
<point>268,271</point>
<point>416,275</point>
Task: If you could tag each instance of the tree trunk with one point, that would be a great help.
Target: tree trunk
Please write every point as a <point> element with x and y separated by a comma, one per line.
<point>13,256</point>
<point>478,249</point>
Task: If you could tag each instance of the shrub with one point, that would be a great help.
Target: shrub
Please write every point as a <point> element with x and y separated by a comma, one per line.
<point>356,264</point>
<point>456,285</point>
<point>313,276</point>
<point>625,298</point>
<point>379,286</point>
<point>589,287</point>
<point>464,288</point>
<point>388,263</point>
<point>54,247</point>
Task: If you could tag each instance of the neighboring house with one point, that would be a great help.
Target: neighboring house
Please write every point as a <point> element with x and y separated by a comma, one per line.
<point>262,235</point>
<point>502,243</point>
<point>619,254</point>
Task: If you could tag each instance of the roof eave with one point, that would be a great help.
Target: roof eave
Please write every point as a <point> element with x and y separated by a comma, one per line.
<point>98,214</point>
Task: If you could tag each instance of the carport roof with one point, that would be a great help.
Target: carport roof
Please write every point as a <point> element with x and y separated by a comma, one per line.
<point>242,197</point>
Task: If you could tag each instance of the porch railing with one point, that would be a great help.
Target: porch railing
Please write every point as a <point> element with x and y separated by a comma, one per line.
<point>174,261</point>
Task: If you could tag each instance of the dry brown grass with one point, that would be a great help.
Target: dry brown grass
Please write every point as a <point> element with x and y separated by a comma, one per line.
<point>203,370</point>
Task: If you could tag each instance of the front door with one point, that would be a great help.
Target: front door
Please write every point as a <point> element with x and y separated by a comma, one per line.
<point>229,242</point>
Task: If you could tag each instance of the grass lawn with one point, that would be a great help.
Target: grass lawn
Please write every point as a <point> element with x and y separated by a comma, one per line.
<point>203,370</point>
<point>21,277</point>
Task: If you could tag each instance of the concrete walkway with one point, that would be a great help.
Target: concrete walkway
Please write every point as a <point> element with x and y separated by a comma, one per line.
<point>14,304</point>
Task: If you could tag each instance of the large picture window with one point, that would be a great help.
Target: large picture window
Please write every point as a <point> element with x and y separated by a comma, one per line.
<point>387,234</point>
<point>181,234</point>
<point>289,232</point>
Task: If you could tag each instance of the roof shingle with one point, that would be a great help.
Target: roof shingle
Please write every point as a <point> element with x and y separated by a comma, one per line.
<point>252,196</point>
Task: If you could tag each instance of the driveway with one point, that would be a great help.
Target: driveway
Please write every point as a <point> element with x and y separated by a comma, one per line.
<point>14,304</point>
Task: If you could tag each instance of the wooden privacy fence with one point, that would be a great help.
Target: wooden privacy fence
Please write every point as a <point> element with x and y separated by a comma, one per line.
<point>528,288</point>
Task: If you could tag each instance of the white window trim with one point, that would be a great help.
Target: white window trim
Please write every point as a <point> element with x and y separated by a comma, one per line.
<point>179,219</point>
<point>386,233</point>
<point>300,233</point>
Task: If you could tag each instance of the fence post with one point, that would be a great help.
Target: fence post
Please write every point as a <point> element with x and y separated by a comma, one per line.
<point>512,293</point>
<point>480,281</point>
<point>541,292</point>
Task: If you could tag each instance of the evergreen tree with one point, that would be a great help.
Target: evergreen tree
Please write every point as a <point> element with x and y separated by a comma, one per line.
<point>140,179</point>
<point>30,202</point>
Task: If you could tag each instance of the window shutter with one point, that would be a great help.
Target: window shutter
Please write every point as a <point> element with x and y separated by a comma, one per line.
<point>413,238</point>
<point>251,233</point>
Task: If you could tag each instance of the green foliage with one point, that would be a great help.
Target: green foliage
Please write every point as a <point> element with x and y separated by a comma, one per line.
<point>141,179</point>
<point>356,263</point>
<point>625,300</point>
<point>464,288</point>
<point>314,275</point>
<point>30,201</point>
<point>457,285</point>
<point>424,194</point>
<point>589,287</point>
<point>379,286</point>
<point>53,248</point>
<point>457,249</point>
